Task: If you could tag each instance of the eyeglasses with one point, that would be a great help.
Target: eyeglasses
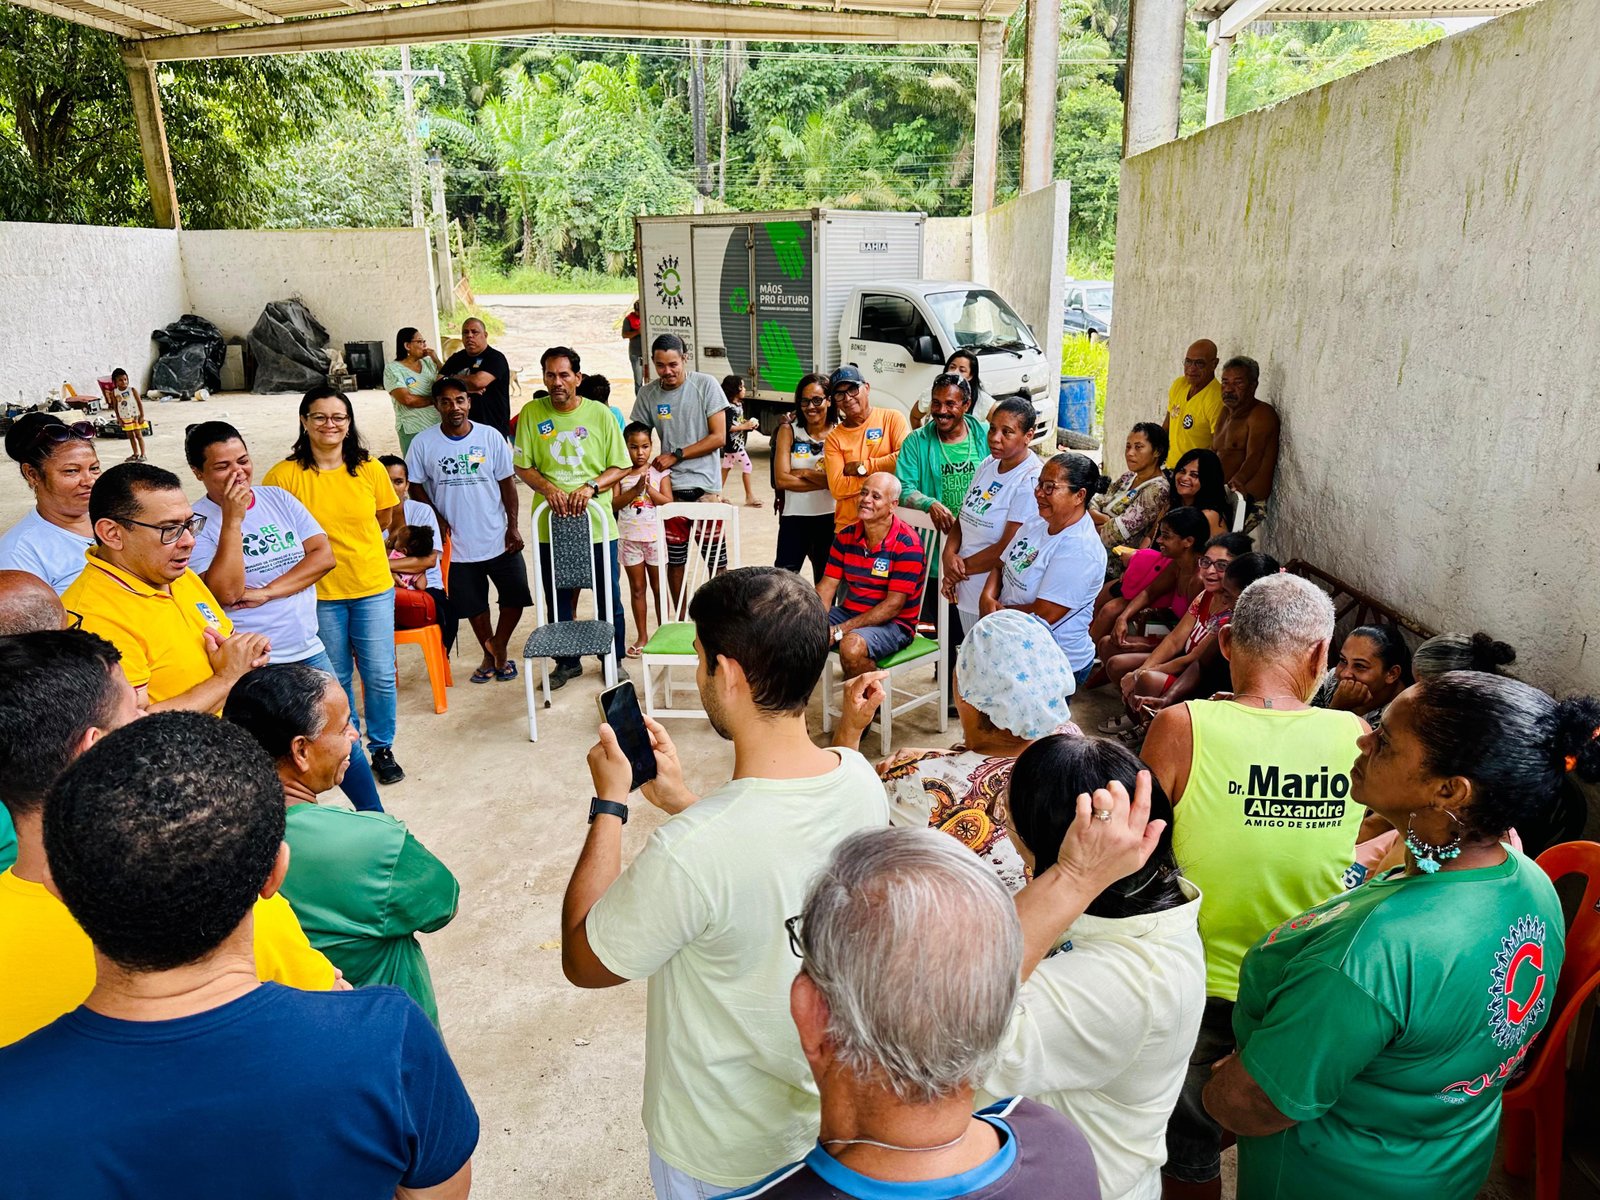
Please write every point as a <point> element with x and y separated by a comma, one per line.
<point>1197,362</point>
<point>813,402</point>
<point>846,389</point>
<point>796,946</point>
<point>1050,489</point>
<point>77,619</point>
<point>1214,564</point>
<point>327,419</point>
<point>57,432</point>
<point>169,533</point>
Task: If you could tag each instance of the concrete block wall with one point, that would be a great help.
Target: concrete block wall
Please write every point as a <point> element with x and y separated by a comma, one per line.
<point>79,300</point>
<point>1409,252</point>
<point>1020,250</point>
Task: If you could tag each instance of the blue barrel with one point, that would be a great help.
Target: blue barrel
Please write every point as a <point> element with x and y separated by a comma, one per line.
<point>1077,404</point>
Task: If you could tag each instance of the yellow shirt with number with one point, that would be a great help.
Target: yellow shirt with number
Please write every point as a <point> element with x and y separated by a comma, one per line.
<point>1191,420</point>
<point>347,507</point>
<point>161,634</point>
<point>47,963</point>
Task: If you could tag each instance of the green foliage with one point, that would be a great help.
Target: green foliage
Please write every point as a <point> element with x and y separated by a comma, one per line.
<point>1080,356</point>
<point>69,150</point>
<point>352,173</point>
<point>450,322</point>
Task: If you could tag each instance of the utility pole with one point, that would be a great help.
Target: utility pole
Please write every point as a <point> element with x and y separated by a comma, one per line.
<point>407,78</point>
<point>441,234</point>
<point>697,115</point>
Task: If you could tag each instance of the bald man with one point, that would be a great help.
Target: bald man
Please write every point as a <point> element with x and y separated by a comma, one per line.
<point>28,604</point>
<point>880,561</point>
<point>1194,402</point>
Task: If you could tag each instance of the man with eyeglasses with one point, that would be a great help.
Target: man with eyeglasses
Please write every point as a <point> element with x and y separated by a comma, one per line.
<point>178,647</point>
<point>865,441</point>
<point>28,604</point>
<point>1194,402</point>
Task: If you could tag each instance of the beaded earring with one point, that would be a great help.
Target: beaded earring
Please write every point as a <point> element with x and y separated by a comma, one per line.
<point>1430,857</point>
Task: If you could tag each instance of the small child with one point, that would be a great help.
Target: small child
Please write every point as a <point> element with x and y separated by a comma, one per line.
<point>634,500</point>
<point>413,541</point>
<point>130,412</point>
<point>733,450</point>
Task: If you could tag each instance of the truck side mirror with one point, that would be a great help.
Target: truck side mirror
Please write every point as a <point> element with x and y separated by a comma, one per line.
<point>923,350</point>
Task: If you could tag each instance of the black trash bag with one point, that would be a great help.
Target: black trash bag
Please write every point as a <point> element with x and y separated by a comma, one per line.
<point>287,345</point>
<point>192,350</point>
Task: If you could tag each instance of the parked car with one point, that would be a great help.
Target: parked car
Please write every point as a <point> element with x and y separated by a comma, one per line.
<point>1088,308</point>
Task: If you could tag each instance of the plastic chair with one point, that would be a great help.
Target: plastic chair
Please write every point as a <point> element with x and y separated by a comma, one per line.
<point>572,543</point>
<point>896,664</point>
<point>1534,1108</point>
<point>432,643</point>
<point>672,644</point>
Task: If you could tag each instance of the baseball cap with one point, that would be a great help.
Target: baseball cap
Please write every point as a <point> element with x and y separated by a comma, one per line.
<point>848,373</point>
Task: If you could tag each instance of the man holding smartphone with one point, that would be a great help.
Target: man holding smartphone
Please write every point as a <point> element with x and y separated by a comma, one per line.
<point>700,912</point>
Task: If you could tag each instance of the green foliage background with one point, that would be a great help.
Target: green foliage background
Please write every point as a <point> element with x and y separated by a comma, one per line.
<point>552,145</point>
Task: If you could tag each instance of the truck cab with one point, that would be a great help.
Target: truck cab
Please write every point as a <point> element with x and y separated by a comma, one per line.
<point>900,334</point>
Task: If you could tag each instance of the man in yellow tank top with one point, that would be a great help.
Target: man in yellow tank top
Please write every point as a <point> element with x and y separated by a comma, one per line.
<point>1263,822</point>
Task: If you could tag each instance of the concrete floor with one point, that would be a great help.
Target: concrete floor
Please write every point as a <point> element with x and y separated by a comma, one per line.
<point>556,1073</point>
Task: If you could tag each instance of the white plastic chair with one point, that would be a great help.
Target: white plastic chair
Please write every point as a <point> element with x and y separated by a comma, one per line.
<point>901,662</point>
<point>572,543</point>
<point>1240,509</point>
<point>672,645</point>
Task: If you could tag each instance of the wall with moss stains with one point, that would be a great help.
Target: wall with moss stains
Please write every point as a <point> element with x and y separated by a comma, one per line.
<point>1413,255</point>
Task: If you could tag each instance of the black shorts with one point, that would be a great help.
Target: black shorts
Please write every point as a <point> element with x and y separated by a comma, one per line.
<point>469,584</point>
<point>1194,1139</point>
<point>708,541</point>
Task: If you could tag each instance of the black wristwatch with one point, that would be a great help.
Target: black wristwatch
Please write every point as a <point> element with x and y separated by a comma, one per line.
<point>610,807</point>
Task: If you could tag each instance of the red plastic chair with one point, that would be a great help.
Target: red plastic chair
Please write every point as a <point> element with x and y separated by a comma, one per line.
<point>1534,1109</point>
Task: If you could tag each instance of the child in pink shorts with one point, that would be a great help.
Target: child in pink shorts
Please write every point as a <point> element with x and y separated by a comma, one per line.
<point>739,427</point>
<point>634,500</point>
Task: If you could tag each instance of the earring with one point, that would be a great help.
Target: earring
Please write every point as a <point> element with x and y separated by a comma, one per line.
<point>1430,857</point>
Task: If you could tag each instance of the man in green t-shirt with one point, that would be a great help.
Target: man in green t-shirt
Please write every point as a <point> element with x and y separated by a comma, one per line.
<point>938,460</point>
<point>569,450</point>
<point>361,884</point>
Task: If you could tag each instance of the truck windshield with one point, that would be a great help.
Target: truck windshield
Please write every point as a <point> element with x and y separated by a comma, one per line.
<point>977,319</point>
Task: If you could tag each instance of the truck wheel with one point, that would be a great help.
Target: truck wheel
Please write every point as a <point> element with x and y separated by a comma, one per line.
<point>771,417</point>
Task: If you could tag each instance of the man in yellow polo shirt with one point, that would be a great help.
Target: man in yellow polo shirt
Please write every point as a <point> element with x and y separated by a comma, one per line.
<point>60,692</point>
<point>137,591</point>
<point>1194,402</point>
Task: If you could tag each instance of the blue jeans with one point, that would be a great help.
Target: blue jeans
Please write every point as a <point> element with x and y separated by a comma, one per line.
<point>566,600</point>
<point>359,636</point>
<point>358,784</point>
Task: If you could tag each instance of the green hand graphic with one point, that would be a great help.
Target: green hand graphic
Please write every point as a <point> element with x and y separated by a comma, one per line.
<point>739,300</point>
<point>780,364</point>
<point>785,239</point>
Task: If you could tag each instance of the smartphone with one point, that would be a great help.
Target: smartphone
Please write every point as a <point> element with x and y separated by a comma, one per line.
<point>619,708</point>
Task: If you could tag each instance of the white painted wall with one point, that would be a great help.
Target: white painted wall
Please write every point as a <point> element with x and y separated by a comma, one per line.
<point>1410,252</point>
<point>1020,250</point>
<point>362,284</point>
<point>78,301</point>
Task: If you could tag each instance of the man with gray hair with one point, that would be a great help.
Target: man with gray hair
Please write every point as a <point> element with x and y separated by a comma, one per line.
<point>1247,438</point>
<point>881,562</point>
<point>28,604</point>
<point>910,951</point>
<point>1263,822</point>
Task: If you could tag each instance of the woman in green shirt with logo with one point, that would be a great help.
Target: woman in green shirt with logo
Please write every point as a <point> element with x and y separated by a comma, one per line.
<point>1377,1030</point>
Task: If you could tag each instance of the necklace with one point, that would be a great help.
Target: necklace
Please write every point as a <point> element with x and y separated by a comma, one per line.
<point>1266,701</point>
<point>892,1146</point>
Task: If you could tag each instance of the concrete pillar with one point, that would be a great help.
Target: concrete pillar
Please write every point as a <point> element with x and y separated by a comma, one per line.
<point>986,126</point>
<point>445,276</point>
<point>1155,73</point>
<point>152,137</point>
<point>1042,59</point>
<point>1217,77</point>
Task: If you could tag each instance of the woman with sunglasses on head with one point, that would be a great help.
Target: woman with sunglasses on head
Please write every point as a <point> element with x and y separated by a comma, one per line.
<point>805,521</point>
<point>58,462</point>
<point>348,493</point>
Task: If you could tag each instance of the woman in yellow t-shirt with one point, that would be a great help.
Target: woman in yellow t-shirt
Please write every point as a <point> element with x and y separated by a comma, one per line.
<point>348,492</point>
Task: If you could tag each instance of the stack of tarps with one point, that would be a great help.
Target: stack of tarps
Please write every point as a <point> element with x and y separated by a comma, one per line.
<point>287,346</point>
<point>192,350</point>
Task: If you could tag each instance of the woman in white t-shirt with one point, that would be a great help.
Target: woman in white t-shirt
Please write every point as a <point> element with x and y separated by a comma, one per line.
<point>58,462</point>
<point>1104,1026</point>
<point>805,511</point>
<point>999,500</point>
<point>1054,566</point>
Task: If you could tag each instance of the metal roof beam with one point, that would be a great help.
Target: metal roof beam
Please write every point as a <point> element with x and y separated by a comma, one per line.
<point>245,9</point>
<point>479,20</point>
<point>1239,14</point>
<point>81,18</point>
<point>121,18</point>
<point>1396,10</point>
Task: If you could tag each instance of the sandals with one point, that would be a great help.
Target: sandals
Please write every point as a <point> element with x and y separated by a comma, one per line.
<point>507,672</point>
<point>636,650</point>
<point>1118,725</point>
<point>483,675</point>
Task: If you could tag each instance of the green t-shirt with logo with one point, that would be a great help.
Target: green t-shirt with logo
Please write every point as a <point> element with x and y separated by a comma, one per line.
<point>570,448</point>
<point>1386,1021</point>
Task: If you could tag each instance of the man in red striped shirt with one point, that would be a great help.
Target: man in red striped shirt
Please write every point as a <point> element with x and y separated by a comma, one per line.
<point>880,561</point>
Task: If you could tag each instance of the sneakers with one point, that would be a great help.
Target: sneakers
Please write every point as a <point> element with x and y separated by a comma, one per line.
<point>559,677</point>
<point>384,767</point>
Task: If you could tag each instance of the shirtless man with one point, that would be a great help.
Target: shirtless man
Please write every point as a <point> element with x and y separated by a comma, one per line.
<point>1247,438</point>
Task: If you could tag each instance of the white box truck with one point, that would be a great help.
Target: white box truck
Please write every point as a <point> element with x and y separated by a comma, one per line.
<point>772,296</point>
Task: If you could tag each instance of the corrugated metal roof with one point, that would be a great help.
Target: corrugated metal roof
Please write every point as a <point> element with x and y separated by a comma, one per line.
<point>1350,10</point>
